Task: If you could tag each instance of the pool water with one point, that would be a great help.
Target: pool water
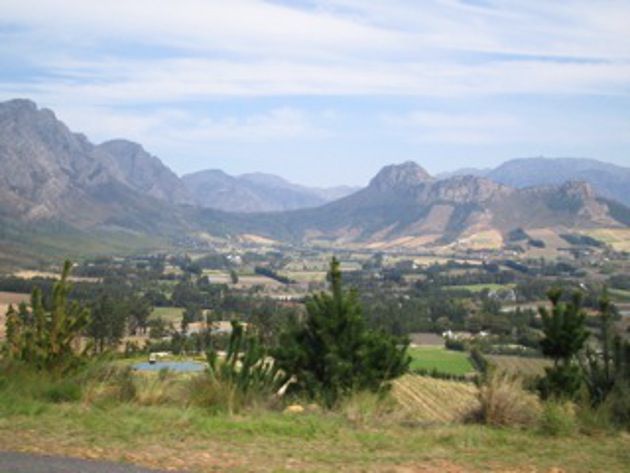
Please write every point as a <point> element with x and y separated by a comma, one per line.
<point>179,366</point>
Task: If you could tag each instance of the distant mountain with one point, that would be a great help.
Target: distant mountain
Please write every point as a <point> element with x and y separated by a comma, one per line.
<point>255,192</point>
<point>404,204</point>
<point>62,195</point>
<point>143,172</point>
<point>608,180</point>
<point>49,174</point>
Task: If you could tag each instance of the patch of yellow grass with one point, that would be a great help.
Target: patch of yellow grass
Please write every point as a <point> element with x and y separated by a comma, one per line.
<point>28,274</point>
<point>257,239</point>
<point>487,239</point>
<point>435,400</point>
<point>618,238</point>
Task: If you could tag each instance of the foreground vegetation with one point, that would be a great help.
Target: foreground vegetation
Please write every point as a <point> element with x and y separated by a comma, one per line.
<point>324,390</point>
<point>160,426</point>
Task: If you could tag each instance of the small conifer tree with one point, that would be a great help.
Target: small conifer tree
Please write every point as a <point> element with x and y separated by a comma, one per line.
<point>47,338</point>
<point>565,335</point>
<point>332,353</point>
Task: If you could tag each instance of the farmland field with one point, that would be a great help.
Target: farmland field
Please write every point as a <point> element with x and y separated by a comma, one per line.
<point>305,276</point>
<point>618,238</point>
<point>435,400</point>
<point>168,314</point>
<point>440,359</point>
<point>480,287</point>
<point>619,295</point>
<point>519,364</point>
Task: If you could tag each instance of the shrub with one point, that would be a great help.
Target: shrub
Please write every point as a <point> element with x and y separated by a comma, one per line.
<point>62,391</point>
<point>110,383</point>
<point>161,389</point>
<point>619,404</point>
<point>504,402</point>
<point>558,418</point>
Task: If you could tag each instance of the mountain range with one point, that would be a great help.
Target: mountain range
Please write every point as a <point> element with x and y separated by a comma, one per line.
<point>60,192</point>
<point>256,192</point>
<point>608,180</point>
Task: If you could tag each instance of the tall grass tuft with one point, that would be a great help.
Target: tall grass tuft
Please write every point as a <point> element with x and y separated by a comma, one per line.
<point>504,402</point>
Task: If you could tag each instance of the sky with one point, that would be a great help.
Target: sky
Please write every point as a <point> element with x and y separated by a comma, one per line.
<point>326,92</point>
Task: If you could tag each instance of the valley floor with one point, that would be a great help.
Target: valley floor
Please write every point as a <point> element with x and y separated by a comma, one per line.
<point>190,439</point>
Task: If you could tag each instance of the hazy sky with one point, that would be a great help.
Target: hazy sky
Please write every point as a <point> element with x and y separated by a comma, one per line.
<point>327,92</point>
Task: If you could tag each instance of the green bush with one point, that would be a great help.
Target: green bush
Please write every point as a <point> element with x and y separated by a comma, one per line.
<point>619,404</point>
<point>66,391</point>
<point>558,419</point>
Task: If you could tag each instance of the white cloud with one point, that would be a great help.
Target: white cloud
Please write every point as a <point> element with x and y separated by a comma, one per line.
<point>105,52</point>
<point>454,128</point>
<point>172,126</point>
<point>496,128</point>
<point>139,68</point>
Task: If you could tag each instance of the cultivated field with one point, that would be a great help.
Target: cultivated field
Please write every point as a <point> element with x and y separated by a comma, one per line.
<point>171,315</point>
<point>440,359</point>
<point>480,287</point>
<point>519,364</point>
<point>618,238</point>
<point>435,400</point>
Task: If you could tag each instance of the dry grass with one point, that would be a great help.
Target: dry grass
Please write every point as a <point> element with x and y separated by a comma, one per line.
<point>487,239</point>
<point>504,402</point>
<point>524,366</point>
<point>430,400</point>
<point>618,238</point>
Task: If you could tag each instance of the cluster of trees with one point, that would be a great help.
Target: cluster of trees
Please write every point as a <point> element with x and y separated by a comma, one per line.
<point>325,356</point>
<point>603,369</point>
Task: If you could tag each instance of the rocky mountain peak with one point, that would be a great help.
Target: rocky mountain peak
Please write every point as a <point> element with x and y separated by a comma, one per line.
<point>400,176</point>
<point>143,171</point>
<point>578,189</point>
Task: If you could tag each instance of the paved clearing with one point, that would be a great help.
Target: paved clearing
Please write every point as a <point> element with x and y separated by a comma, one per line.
<point>29,463</point>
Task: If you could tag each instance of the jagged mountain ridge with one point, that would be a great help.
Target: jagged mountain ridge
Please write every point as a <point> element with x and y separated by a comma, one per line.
<point>608,180</point>
<point>50,174</point>
<point>403,201</point>
<point>255,192</point>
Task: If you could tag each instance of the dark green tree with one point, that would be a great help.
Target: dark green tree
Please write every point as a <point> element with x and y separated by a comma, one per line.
<point>564,336</point>
<point>108,322</point>
<point>191,315</point>
<point>606,370</point>
<point>139,309</point>
<point>332,353</point>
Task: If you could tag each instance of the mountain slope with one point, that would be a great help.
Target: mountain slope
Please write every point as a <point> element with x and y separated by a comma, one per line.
<point>255,192</point>
<point>143,172</point>
<point>608,180</point>
<point>60,194</point>
<point>50,174</point>
<point>403,203</point>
